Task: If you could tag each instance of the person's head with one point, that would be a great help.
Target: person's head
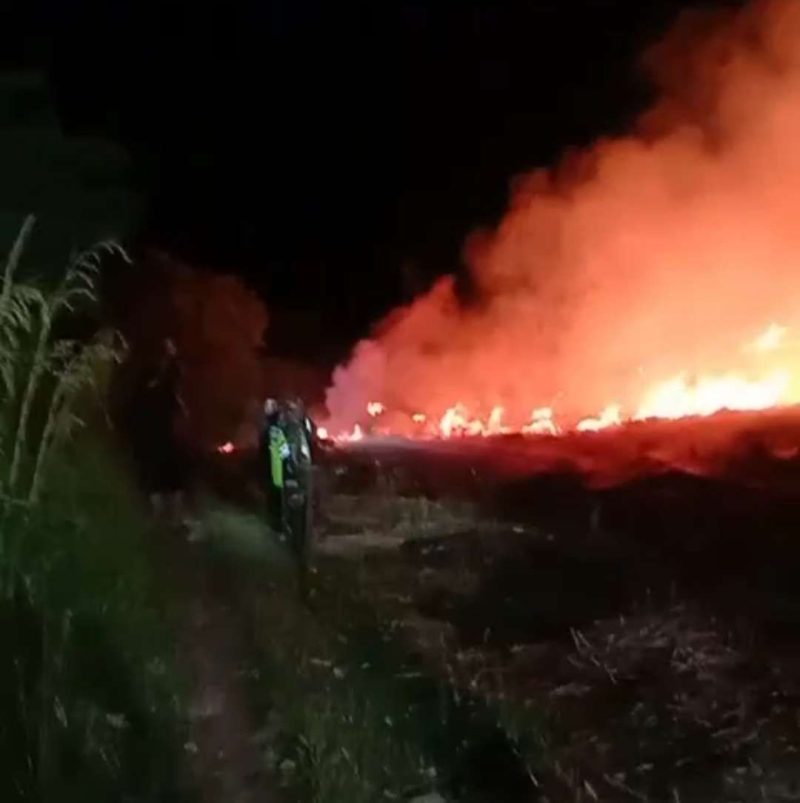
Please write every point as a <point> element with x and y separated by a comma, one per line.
<point>169,347</point>
<point>295,408</point>
<point>270,406</point>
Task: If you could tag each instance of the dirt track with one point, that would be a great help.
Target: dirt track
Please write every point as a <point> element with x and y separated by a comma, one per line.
<point>224,758</point>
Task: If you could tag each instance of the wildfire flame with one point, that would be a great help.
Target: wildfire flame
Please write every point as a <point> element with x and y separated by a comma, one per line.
<point>541,423</point>
<point>609,417</point>
<point>678,397</point>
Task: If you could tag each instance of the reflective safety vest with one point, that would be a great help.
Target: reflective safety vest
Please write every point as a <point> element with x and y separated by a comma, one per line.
<point>278,452</point>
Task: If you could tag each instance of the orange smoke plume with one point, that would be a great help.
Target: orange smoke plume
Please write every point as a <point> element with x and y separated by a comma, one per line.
<point>653,275</point>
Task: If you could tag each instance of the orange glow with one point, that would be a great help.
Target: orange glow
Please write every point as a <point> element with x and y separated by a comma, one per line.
<point>678,397</point>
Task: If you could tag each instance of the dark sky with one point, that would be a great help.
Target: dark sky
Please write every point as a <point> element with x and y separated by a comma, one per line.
<point>316,147</point>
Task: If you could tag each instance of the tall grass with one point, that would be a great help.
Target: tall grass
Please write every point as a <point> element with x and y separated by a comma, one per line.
<point>40,371</point>
<point>88,707</point>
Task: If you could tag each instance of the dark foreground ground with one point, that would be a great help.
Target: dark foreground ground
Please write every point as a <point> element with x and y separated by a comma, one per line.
<point>637,640</point>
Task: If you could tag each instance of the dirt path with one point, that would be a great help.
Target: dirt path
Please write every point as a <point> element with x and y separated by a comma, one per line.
<point>224,759</point>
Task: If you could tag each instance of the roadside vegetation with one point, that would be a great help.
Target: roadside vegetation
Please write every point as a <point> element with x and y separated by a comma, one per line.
<point>90,708</point>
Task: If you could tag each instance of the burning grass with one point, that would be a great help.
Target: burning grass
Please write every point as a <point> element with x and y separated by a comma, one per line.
<point>754,449</point>
<point>678,397</point>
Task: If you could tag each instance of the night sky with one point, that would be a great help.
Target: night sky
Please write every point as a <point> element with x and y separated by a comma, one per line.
<point>318,147</point>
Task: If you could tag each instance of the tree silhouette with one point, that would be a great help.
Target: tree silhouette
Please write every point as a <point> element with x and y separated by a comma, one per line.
<point>79,188</point>
<point>217,324</point>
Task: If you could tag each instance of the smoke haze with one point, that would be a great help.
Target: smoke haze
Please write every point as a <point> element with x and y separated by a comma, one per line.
<point>647,255</point>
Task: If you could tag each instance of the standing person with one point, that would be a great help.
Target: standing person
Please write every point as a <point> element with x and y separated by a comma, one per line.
<point>299,489</point>
<point>161,458</point>
<point>275,452</point>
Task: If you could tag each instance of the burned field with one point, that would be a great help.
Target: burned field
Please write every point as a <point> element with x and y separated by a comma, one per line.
<point>634,626</point>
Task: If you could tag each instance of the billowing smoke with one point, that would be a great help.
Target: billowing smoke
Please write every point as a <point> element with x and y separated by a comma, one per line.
<point>659,252</point>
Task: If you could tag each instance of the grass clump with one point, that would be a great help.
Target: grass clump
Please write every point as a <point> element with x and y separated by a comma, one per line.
<point>348,728</point>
